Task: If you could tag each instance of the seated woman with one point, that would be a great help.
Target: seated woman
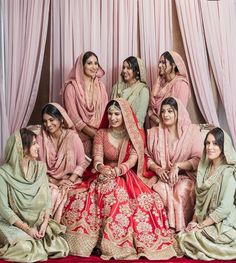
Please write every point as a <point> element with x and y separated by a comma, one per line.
<point>171,82</point>
<point>174,150</point>
<point>26,232</point>
<point>84,97</point>
<point>119,214</point>
<point>212,232</point>
<point>132,86</point>
<point>62,151</point>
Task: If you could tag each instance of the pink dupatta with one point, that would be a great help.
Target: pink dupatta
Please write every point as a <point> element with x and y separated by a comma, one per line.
<point>180,198</point>
<point>74,97</point>
<point>178,87</point>
<point>136,135</point>
<point>189,146</point>
<point>68,158</point>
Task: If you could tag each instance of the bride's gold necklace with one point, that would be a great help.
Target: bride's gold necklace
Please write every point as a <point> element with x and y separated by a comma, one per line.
<point>118,134</point>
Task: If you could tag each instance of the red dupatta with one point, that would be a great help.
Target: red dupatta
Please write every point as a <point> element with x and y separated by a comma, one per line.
<point>136,135</point>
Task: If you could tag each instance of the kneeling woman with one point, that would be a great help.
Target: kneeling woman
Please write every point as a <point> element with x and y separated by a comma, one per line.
<point>212,232</point>
<point>119,214</point>
<point>26,233</point>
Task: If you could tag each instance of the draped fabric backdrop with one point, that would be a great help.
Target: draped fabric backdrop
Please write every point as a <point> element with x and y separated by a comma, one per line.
<point>114,30</point>
<point>209,27</point>
<point>220,31</point>
<point>24,35</point>
<point>192,32</point>
<point>155,23</point>
<point>3,118</point>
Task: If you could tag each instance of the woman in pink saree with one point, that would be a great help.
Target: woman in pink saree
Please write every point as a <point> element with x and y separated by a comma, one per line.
<point>174,150</point>
<point>119,214</point>
<point>84,97</point>
<point>172,81</point>
<point>62,151</point>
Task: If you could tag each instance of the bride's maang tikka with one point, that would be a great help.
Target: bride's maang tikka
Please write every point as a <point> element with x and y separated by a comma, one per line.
<point>113,107</point>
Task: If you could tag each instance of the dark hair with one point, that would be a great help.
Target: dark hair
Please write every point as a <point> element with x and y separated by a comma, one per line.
<point>167,56</point>
<point>133,63</point>
<point>219,138</point>
<point>87,55</point>
<point>52,111</point>
<point>27,137</point>
<point>170,101</point>
<point>113,102</point>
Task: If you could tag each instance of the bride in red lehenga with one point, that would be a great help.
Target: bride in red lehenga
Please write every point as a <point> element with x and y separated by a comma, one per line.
<point>117,213</point>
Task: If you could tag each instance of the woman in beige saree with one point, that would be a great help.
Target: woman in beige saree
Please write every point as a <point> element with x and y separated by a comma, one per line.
<point>84,97</point>
<point>174,149</point>
<point>212,232</point>
<point>26,232</point>
<point>62,151</point>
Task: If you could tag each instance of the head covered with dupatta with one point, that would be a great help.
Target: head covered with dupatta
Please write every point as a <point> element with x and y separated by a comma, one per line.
<point>228,153</point>
<point>27,190</point>
<point>135,134</point>
<point>90,113</point>
<point>66,121</point>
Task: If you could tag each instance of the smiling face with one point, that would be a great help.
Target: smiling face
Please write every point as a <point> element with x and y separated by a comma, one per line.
<point>34,149</point>
<point>91,67</point>
<point>164,66</point>
<point>168,115</point>
<point>115,118</point>
<point>51,124</point>
<point>213,150</point>
<point>128,73</point>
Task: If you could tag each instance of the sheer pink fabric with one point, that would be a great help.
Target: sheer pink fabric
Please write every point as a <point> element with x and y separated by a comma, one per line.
<point>23,31</point>
<point>116,29</point>
<point>193,35</point>
<point>178,87</point>
<point>219,20</point>
<point>180,198</point>
<point>75,100</point>
<point>112,33</point>
<point>69,158</point>
<point>156,15</point>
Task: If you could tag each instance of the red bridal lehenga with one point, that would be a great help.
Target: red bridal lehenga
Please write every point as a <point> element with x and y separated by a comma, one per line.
<point>123,217</point>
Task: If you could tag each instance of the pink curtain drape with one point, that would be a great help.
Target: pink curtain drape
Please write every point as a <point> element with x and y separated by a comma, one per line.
<point>192,32</point>
<point>113,29</point>
<point>108,28</point>
<point>24,35</point>
<point>220,31</point>
<point>155,18</point>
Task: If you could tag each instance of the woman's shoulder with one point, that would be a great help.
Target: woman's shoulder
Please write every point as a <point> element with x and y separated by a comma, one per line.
<point>72,134</point>
<point>180,79</point>
<point>144,88</point>
<point>100,133</point>
<point>229,170</point>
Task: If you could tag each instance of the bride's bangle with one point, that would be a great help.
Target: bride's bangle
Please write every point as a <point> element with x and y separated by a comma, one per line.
<point>96,166</point>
